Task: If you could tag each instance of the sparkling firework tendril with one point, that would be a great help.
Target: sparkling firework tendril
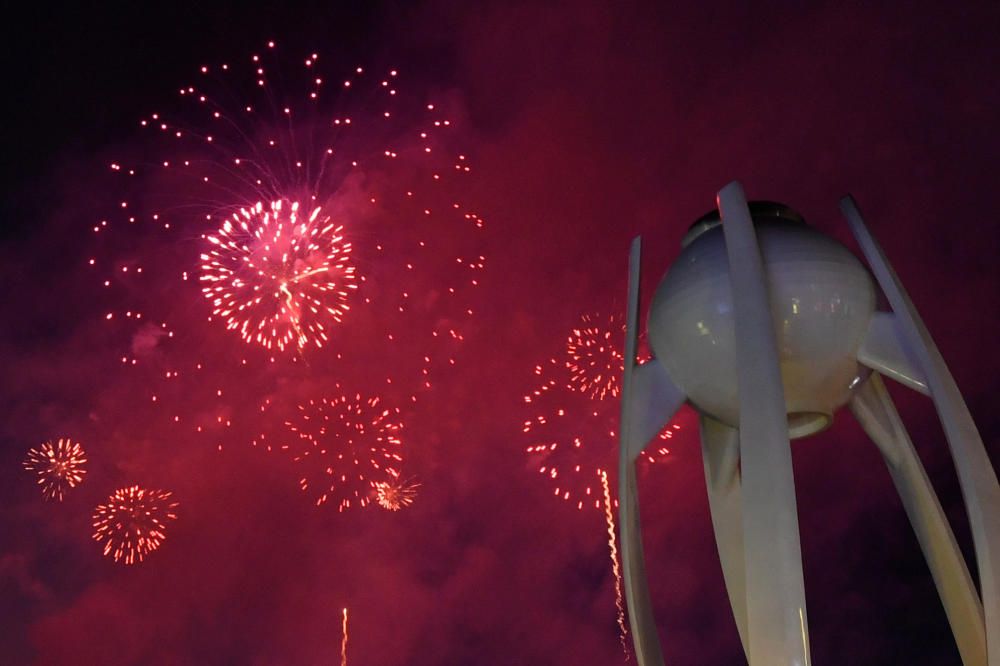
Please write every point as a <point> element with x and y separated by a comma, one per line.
<point>133,523</point>
<point>395,493</point>
<point>59,467</point>
<point>381,262</point>
<point>346,444</point>
<point>274,274</point>
<point>609,517</point>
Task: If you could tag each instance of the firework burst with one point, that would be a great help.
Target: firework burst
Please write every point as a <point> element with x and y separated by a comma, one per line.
<point>281,213</point>
<point>133,523</point>
<point>59,467</point>
<point>275,274</point>
<point>345,445</point>
<point>572,428</point>
<point>571,425</point>
<point>595,364</point>
<point>395,493</point>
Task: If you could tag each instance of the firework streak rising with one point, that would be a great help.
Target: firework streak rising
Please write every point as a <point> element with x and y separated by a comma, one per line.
<point>281,222</point>
<point>343,640</point>
<point>609,516</point>
<point>58,467</point>
<point>133,522</point>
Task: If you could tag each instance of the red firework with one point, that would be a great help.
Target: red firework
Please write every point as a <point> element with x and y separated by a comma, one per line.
<point>595,362</point>
<point>277,273</point>
<point>345,446</point>
<point>200,251</point>
<point>133,523</point>
<point>59,467</point>
<point>395,493</point>
<point>571,425</point>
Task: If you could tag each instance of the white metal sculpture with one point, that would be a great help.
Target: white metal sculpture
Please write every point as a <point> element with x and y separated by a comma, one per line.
<point>767,327</point>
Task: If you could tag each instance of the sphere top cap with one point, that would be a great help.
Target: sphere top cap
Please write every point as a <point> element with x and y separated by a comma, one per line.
<point>759,211</point>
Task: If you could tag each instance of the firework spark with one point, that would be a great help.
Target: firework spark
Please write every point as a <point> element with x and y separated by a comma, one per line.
<point>345,443</point>
<point>133,523</point>
<point>59,467</point>
<point>395,493</point>
<point>609,517</point>
<point>274,275</point>
<point>595,364</point>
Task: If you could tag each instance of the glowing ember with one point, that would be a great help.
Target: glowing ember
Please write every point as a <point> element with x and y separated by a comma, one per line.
<point>278,276</point>
<point>133,522</point>
<point>395,494</point>
<point>346,445</point>
<point>59,467</point>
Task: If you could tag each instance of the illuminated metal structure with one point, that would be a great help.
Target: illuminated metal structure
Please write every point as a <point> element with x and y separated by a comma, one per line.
<point>767,327</point>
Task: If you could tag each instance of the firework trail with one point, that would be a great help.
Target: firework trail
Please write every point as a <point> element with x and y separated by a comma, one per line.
<point>343,640</point>
<point>343,444</point>
<point>281,218</point>
<point>573,415</point>
<point>59,467</point>
<point>609,517</point>
<point>395,493</point>
<point>133,522</point>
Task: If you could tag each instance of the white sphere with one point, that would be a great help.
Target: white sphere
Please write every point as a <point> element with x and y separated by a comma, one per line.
<point>822,300</point>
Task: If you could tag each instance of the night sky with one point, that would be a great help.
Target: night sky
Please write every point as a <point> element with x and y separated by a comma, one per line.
<point>587,123</point>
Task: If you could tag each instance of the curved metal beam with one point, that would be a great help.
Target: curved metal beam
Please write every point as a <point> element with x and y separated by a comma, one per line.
<point>641,408</point>
<point>873,408</point>
<point>976,476</point>
<point>776,602</point>
<point>720,452</point>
